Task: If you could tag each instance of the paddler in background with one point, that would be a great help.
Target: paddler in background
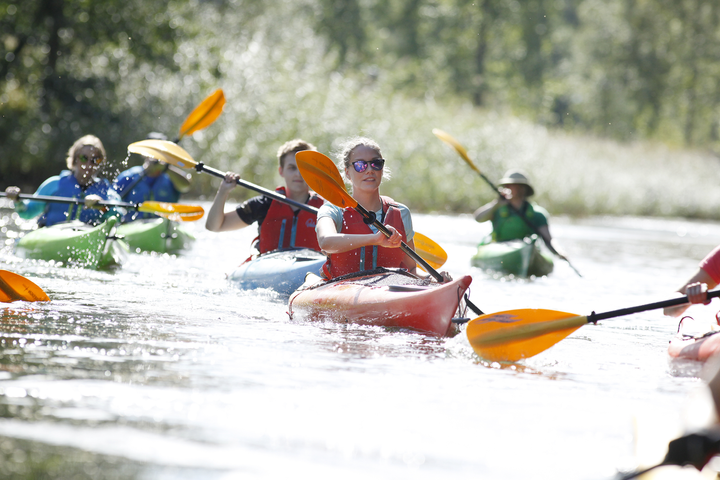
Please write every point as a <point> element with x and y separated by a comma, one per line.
<point>350,243</point>
<point>153,181</point>
<point>83,160</point>
<point>505,222</point>
<point>707,276</point>
<point>280,226</point>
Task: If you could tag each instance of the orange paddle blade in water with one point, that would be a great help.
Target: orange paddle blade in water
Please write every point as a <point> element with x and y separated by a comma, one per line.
<point>14,287</point>
<point>512,335</point>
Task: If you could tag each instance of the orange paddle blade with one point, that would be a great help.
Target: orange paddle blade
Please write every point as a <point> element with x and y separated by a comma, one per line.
<point>512,335</point>
<point>430,251</point>
<point>164,151</point>
<point>447,138</point>
<point>322,175</point>
<point>14,287</point>
<point>204,114</point>
<point>178,212</point>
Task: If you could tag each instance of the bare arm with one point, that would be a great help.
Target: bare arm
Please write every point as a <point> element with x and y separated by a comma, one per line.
<point>485,212</point>
<point>217,219</point>
<point>695,289</point>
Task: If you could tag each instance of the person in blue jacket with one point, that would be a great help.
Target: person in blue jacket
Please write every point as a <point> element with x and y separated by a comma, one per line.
<point>83,161</point>
<point>153,181</point>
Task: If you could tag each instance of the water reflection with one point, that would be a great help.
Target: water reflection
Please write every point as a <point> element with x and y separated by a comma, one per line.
<point>163,369</point>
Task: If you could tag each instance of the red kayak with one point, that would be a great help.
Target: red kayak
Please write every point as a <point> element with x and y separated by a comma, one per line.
<point>382,297</point>
<point>697,338</point>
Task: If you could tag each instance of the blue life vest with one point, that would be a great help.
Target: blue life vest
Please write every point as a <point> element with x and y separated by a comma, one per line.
<point>160,189</point>
<point>68,186</point>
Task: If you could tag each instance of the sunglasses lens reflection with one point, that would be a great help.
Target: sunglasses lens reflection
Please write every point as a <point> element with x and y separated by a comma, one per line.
<point>361,165</point>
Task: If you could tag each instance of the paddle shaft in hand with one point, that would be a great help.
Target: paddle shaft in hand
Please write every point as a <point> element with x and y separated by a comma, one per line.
<point>202,116</point>
<point>515,334</point>
<point>175,155</point>
<point>323,176</point>
<point>447,138</point>
<point>150,206</point>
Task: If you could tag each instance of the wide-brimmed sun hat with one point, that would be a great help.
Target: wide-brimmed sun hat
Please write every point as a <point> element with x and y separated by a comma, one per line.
<point>516,177</point>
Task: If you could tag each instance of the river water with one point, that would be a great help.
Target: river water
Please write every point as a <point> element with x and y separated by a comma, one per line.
<point>164,370</point>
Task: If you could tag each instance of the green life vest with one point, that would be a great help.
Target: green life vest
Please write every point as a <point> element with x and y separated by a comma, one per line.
<point>509,226</point>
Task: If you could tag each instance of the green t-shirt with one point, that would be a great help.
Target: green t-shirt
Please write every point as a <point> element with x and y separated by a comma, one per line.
<point>509,226</point>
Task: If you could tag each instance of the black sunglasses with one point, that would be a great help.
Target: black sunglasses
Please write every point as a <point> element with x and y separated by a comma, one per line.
<point>376,164</point>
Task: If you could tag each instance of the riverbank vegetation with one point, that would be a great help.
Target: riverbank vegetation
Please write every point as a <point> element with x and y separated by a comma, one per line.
<point>611,107</point>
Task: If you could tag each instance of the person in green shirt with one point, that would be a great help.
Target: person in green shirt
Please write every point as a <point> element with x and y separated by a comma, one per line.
<point>507,225</point>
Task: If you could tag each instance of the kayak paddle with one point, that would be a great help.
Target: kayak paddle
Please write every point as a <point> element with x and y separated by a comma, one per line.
<point>14,287</point>
<point>447,138</point>
<point>323,176</point>
<point>176,155</point>
<point>204,114</point>
<point>696,449</point>
<point>172,211</point>
<point>430,250</point>
<point>512,335</point>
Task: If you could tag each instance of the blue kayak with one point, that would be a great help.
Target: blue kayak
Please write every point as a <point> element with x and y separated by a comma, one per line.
<point>282,271</point>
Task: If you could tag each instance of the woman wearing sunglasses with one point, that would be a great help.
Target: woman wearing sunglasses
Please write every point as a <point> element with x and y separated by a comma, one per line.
<point>80,181</point>
<point>350,243</point>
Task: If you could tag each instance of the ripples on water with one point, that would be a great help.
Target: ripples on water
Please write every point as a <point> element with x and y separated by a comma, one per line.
<point>162,369</point>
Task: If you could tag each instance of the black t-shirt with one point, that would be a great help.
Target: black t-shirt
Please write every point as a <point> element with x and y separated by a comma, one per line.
<point>254,209</point>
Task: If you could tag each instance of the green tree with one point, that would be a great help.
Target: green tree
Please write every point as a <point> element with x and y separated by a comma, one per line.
<point>63,60</point>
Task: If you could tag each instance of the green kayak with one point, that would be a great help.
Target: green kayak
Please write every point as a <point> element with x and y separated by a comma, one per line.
<point>155,235</point>
<point>521,258</point>
<point>75,244</point>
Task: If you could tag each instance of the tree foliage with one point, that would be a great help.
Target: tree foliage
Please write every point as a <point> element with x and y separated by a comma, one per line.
<point>63,62</point>
<point>326,69</point>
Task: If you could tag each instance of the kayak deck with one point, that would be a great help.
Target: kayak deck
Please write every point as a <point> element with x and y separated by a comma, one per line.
<point>155,235</point>
<point>282,271</point>
<point>521,258</point>
<point>697,337</point>
<point>75,244</point>
<point>381,297</point>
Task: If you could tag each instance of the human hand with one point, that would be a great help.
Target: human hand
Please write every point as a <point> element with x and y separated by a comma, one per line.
<point>393,241</point>
<point>446,277</point>
<point>230,181</point>
<point>12,193</point>
<point>697,293</point>
<point>91,201</point>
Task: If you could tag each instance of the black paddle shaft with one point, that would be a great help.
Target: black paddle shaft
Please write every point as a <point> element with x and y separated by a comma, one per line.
<point>369,217</point>
<point>596,317</point>
<point>201,167</point>
<point>76,201</point>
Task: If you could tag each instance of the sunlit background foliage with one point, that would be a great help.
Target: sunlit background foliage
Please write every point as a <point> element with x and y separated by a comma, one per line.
<point>611,106</point>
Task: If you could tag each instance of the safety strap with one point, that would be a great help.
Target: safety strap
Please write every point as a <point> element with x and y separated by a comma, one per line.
<point>282,235</point>
<point>293,232</point>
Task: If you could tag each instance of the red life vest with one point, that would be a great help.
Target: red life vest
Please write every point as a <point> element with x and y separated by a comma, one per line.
<point>365,258</point>
<point>283,228</point>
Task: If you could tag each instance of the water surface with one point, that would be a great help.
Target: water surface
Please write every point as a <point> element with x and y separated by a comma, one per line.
<point>162,369</point>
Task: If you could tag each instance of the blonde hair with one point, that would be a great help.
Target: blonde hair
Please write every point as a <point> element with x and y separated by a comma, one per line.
<point>293,146</point>
<point>90,140</point>
<point>349,145</point>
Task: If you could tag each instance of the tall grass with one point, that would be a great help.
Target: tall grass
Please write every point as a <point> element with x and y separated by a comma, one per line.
<point>281,84</point>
